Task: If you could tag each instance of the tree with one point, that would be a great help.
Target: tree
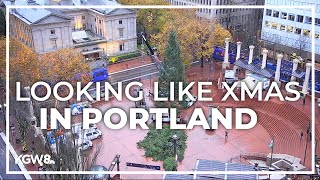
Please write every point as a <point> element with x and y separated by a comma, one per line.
<point>196,37</point>
<point>63,64</point>
<point>172,67</point>
<point>24,61</point>
<point>2,57</point>
<point>158,144</point>
<point>2,23</point>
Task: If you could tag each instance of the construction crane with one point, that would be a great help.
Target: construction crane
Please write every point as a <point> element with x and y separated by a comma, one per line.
<point>152,53</point>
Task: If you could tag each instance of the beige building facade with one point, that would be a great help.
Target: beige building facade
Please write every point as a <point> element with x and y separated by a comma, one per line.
<point>93,32</point>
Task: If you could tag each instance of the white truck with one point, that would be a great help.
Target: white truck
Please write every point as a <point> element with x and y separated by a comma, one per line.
<point>252,80</point>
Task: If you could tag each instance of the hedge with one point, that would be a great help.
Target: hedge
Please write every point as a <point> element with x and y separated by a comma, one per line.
<point>114,59</point>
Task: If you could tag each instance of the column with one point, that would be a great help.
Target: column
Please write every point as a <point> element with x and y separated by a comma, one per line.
<point>306,79</point>
<point>226,55</point>
<point>294,68</point>
<point>237,56</point>
<point>277,75</point>
<point>264,58</point>
<point>250,54</point>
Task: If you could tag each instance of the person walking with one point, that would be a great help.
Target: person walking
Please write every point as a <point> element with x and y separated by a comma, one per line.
<point>226,135</point>
<point>301,136</point>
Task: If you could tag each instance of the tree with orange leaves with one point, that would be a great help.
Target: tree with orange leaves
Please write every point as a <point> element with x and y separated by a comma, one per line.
<point>23,61</point>
<point>196,37</point>
<point>63,65</point>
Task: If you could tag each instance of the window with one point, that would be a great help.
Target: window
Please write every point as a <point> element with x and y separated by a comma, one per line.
<point>100,32</point>
<point>268,12</point>
<point>95,19</point>
<point>274,25</point>
<point>289,29</point>
<point>54,44</point>
<point>308,20</point>
<point>120,32</point>
<point>276,14</point>
<point>306,32</point>
<point>83,17</point>
<point>267,24</point>
<point>99,21</point>
<point>298,31</point>
<point>317,21</point>
<point>291,17</point>
<point>284,15</point>
<point>299,18</point>
<point>120,21</point>
<point>121,47</point>
<point>52,31</point>
<point>282,27</point>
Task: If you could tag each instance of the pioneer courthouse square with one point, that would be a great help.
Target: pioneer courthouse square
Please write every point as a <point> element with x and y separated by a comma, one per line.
<point>162,93</point>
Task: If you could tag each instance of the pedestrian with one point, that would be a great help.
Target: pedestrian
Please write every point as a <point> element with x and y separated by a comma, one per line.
<point>226,135</point>
<point>301,135</point>
<point>304,100</point>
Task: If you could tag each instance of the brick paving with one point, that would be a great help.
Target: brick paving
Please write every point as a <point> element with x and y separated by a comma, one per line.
<point>282,120</point>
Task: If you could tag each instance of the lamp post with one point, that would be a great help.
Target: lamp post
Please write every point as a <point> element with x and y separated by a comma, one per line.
<point>305,150</point>
<point>2,108</point>
<point>175,139</point>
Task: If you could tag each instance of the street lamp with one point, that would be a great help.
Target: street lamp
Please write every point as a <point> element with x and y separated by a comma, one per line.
<point>175,139</point>
<point>305,150</point>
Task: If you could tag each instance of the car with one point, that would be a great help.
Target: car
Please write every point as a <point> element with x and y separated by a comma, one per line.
<point>93,134</point>
<point>191,102</point>
<point>85,145</point>
<point>166,118</point>
<point>78,127</point>
<point>77,109</point>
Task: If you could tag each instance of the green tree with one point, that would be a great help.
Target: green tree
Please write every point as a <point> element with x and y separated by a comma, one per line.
<point>172,67</point>
<point>158,144</point>
<point>2,23</point>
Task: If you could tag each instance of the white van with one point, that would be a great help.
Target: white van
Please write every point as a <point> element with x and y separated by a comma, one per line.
<point>252,80</point>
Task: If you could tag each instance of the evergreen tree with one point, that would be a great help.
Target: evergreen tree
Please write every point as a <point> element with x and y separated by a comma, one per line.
<point>172,67</point>
<point>2,23</point>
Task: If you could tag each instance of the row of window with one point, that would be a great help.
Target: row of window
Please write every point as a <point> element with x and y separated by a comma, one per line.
<point>291,17</point>
<point>289,29</point>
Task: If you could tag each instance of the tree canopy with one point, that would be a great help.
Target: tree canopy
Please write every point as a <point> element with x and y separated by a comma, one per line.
<point>63,64</point>
<point>197,37</point>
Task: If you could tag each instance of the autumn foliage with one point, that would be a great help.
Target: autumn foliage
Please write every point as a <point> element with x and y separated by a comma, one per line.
<point>31,67</point>
<point>197,37</point>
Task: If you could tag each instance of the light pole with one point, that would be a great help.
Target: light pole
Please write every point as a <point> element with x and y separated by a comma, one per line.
<point>175,139</point>
<point>2,108</point>
<point>305,150</point>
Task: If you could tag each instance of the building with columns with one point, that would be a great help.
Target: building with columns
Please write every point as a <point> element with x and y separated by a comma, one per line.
<point>93,32</point>
<point>288,31</point>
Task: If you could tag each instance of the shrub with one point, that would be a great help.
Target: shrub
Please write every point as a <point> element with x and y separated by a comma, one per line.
<point>170,164</point>
<point>114,59</point>
<point>158,143</point>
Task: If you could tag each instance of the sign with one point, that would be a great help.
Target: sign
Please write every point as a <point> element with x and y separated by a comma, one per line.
<point>143,166</point>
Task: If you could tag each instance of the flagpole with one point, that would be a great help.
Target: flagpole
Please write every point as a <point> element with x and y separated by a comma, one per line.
<point>272,145</point>
<point>272,142</point>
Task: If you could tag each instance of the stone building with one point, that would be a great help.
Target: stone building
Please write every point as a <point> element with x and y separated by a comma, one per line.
<point>93,32</point>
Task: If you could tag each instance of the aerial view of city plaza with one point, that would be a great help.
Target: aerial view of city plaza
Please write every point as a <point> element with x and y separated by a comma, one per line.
<point>216,48</point>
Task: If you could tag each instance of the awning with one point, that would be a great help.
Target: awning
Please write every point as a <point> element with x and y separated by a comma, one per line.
<point>91,51</point>
<point>298,73</point>
<point>254,68</point>
<point>79,35</point>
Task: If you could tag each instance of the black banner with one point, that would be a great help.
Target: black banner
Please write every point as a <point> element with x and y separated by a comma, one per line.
<point>143,166</point>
